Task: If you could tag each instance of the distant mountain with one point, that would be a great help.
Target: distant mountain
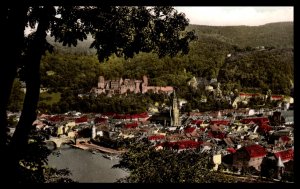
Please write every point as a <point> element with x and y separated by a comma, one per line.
<point>279,34</point>
<point>82,47</point>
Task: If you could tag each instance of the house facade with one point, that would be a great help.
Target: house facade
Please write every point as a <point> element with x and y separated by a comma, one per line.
<point>249,156</point>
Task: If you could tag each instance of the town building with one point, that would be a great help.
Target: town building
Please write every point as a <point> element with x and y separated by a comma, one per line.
<point>249,156</point>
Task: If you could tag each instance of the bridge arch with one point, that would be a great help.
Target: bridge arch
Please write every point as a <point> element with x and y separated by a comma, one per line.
<point>51,145</point>
<point>59,141</point>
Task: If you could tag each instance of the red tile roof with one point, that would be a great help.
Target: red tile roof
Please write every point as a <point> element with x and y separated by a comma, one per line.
<point>197,122</point>
<point>255,151</point>
<point>56,118</point>
<point>277,96</point>
<point>231,150</point>
<point>285,138</point>
<point>131,125</point>
<point>257,120</point>
<point>100,120</point>
<point>156,137</point>
<point>220,122</point>
<point>286,155</point>
<point>264,128</point>
<point>128,116</point>
<point>81,119</point>
<point>189,129</point>
<point>184,144</point>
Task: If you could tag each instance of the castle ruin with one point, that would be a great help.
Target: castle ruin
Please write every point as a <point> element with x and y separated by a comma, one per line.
<point>123,86</point>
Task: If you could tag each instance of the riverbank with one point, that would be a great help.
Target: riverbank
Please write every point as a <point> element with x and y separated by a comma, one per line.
<point>94,147</point>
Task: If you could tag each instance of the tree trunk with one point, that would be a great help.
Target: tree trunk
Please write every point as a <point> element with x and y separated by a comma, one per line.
<point>14,24</point>
<point>32,79</point>
<point>19,142</point>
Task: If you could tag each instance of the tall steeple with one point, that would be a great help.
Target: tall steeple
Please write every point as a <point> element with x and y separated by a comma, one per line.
<point>175,111</point>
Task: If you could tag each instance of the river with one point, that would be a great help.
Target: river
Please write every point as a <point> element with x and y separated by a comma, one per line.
<point>85,166</point>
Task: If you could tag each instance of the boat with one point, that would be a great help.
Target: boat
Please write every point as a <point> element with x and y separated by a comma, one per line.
<point>107,156</point>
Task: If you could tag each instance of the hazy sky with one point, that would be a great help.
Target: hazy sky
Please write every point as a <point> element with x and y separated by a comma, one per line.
<point>252,16</point>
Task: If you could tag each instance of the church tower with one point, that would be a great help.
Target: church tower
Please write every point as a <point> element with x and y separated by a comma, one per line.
<point>175,111</point>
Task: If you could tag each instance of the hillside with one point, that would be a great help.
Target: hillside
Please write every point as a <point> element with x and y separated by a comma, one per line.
<point>260,70</point>
<point>279,35</point>
<point>82,48</point>
<point>270,69</point>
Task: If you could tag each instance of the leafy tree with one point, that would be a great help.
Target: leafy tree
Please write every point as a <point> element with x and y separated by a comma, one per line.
<point>146,165</point>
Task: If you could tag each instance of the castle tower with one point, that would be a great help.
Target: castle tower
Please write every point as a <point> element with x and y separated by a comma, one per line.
<point>145,80</point>
<point>175,111</point>
<point>101,82</point>
<point>121,81</point>
<point>145,84</point>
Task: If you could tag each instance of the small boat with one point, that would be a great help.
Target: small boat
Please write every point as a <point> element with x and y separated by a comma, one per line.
<point>107,156</point>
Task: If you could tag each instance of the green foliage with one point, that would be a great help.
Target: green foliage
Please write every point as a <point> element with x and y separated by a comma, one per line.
<point>279,35</point>
<point>49,98</point>
<point>53,175</point>
<point>123,30</point>
<point>16,98</point>
<point>146,165</point>
<point>131,103</point>
<point>69,70</point>
<point>258,71</point>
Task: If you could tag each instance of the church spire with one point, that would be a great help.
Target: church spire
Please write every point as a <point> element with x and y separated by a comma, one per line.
<point>175,111</point>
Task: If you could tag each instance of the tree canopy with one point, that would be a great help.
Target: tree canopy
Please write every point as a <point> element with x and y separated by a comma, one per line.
<point>147,165</point>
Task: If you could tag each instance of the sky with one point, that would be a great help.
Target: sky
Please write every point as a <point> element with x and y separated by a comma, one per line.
<point>232,16</point>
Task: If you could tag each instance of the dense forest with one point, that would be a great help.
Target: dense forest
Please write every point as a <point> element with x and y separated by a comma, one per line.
<point>279,34</point>
<point>250,59</point>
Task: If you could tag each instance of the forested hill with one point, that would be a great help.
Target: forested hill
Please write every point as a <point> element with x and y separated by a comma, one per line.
<point>279,34</point>
<point>249,68</point>
<point>260,69</point>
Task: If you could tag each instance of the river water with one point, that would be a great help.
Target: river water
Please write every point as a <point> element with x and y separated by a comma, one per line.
<point>86,167</point>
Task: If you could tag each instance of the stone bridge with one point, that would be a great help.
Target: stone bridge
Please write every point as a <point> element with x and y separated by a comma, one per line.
<point>58,141</point>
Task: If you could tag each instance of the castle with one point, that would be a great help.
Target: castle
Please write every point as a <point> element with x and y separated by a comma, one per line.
<point>123,86</point>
